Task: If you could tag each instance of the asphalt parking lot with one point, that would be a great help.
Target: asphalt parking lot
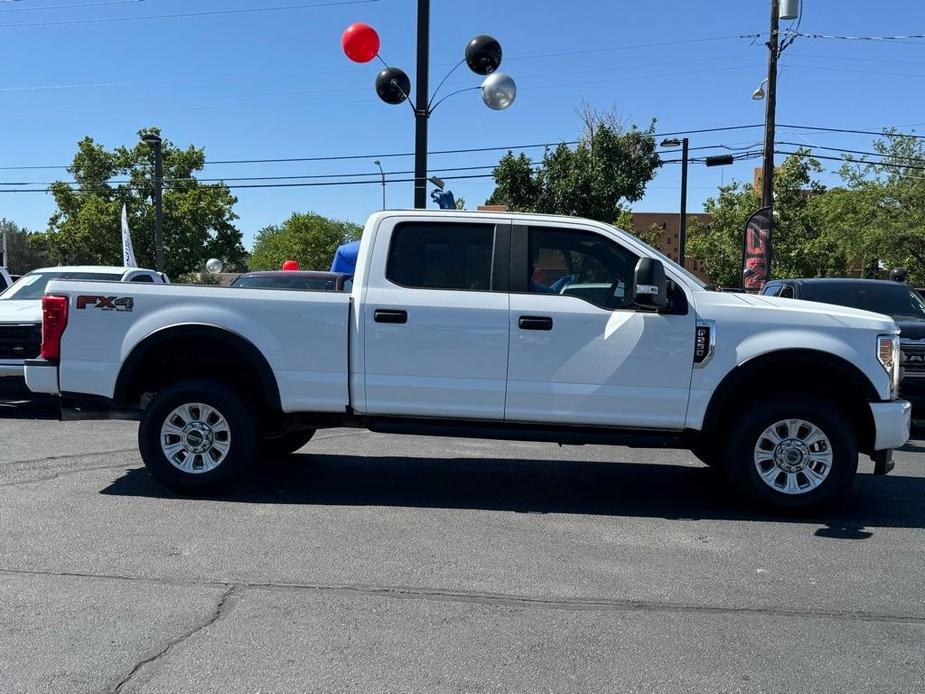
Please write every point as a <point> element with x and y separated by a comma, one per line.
<point>383,564</point>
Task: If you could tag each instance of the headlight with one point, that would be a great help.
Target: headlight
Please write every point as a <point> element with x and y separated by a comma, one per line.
<point>888,355</point>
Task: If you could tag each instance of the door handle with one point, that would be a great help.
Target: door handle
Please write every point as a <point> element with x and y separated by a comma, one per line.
<point>535,323</point>
<point>382,315</point>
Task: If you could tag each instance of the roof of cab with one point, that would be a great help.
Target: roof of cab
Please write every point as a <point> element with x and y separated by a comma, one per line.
<point>114,269</point>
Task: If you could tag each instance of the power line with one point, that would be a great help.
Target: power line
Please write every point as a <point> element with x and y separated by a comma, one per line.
<point>848,130</point>
<point>63,7</point>
<point>185,15</point>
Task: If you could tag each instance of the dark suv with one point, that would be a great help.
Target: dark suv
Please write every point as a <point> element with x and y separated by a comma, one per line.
<point>899,301</point>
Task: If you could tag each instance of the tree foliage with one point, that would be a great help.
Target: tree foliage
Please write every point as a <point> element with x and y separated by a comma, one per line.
<point>198,217</point>
<point>26,250</point>
<point>608,168</point>
<point>802,244</point>
<point>307,238</point>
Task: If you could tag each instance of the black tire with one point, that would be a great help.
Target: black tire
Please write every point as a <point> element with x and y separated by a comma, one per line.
<point>742,470</point>
<point>285,444</point>
<point>240,429</point>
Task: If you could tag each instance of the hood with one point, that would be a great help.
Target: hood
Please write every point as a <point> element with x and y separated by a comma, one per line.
<point>794,311</point>
<point>12,311</point>
<point>912,329</point>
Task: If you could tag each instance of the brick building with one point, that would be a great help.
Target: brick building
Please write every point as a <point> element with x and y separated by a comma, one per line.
<point>670,225</point>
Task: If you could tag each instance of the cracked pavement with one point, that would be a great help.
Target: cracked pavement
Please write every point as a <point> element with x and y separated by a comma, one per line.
<point>379,564</point>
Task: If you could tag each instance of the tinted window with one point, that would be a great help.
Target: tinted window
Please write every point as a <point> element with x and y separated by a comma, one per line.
<point>319,284</point>
<point>581,264</point>
<point>32,286</point>
<point>894,299</point>
<point>786,292</point>
<point>142,278</point>
<point>442,256</point>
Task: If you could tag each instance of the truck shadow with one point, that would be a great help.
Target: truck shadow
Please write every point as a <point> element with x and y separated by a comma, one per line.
<point>544,486</point>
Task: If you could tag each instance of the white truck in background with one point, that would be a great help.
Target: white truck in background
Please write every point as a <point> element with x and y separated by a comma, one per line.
<point>21,307</point>
<point>498,325</point>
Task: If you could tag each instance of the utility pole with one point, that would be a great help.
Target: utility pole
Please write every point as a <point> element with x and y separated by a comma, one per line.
<point>155,143</point>
<point>767,173</point>
<point>682,228</point>
<point>421,109</point>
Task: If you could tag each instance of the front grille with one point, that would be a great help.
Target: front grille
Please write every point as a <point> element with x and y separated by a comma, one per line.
<point>913,359</point>
<point>20,341</point>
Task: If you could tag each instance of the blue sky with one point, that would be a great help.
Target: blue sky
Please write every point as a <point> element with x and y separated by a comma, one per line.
<point>276,84</point>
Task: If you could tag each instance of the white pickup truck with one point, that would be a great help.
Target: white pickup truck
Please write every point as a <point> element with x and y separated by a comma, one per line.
<point>524,327</point>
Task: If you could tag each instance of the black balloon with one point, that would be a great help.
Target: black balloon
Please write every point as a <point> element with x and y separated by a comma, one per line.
<point>483,55</point>
<point>393,85</point>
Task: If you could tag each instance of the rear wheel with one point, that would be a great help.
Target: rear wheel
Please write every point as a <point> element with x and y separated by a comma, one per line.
<point>198,436</point>
<point>792,452</point>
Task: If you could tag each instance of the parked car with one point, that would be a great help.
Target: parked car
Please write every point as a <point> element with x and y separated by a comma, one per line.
<point>21,308</point>
<point>899,301</point>
<point>445,332</point>
<point>298,279</point>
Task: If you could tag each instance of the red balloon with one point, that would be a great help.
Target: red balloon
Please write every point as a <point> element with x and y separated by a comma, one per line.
<point>290,265</point>
<point>360,42</point>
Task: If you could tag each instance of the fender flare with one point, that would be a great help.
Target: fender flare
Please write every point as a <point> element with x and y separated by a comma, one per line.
<point>783,358</point>
<point>232,340</point>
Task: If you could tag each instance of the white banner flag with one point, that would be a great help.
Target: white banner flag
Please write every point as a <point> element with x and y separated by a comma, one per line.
<point>128,253</point>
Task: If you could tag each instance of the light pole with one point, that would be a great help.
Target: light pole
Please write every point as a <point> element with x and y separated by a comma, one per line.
<point>381,173</point>
<point>155,143</point>
<point>682,223</point>
<point>483,56</point>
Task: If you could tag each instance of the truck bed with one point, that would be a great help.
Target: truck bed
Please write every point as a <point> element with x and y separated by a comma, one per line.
<point>302,334</point>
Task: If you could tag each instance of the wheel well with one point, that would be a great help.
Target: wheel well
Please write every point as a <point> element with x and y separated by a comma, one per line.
<point>197,352</point>
<point>802,372</point>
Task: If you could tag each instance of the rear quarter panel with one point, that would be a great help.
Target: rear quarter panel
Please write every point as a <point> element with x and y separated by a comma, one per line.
<point>303,335</point>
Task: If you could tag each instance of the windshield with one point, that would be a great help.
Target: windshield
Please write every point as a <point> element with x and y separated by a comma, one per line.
<point>895,300</point>
<point>322,284</point>
<point>668,261</point>
<point>32,286</point>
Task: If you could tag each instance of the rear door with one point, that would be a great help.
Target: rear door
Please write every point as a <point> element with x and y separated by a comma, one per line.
<point>581,352</point>
<point>435,323</point>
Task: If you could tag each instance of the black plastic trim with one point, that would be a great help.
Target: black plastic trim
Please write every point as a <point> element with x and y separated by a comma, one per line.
<point>501,259</point>
<point>386,315</point>
<point>233,341</point>
<point>520,251</point>
<point>534,323</point>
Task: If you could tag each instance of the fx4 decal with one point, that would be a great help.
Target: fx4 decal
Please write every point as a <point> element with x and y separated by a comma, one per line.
<point>106,303</point>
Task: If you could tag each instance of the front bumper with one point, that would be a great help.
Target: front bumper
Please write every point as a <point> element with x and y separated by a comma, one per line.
<point>11,368</point>
<point>892,422</point>
<point>42,376</point>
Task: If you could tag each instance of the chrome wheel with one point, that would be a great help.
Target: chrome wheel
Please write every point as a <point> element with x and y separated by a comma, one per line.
<point>793,456</point>
<point>195,438</point>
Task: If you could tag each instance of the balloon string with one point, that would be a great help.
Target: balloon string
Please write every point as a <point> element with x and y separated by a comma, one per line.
<point>458,91</point>
<point>445,78</point>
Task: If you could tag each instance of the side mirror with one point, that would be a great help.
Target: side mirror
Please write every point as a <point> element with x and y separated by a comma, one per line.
<point>651,287</point>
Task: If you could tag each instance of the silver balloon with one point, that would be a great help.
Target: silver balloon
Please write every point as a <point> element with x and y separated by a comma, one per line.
<point>498,91</point>
<point>214,266</point>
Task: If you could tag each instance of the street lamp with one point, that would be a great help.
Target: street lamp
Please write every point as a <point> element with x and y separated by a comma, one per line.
<point>381,173</point>
<point>483,56</point>
<point>682,226</point>
<point>758,94</point>
<point>155,143</point>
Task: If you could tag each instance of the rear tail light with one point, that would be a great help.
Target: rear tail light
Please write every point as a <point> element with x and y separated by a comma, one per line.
<point>54,321</point>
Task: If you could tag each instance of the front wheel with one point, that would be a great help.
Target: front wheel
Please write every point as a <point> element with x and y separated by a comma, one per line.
<point>198,436</point>
<point>792,452</point>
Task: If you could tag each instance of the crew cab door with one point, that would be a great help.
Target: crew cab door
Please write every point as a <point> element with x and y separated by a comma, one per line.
<point>435,322</point>
<point>581,352</point>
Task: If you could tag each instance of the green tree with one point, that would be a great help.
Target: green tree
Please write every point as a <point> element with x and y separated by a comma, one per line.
<point>198,218</point>
<point>879,216</point>
<point>307,238</point>
<point>801,244</point>
<point>608,168</point>
<point>26,250</point>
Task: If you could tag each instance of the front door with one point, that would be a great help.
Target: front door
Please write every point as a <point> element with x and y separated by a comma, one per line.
<point>436,326</point>
<point>581,352</point>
